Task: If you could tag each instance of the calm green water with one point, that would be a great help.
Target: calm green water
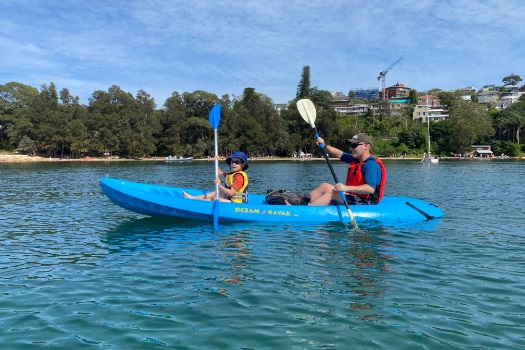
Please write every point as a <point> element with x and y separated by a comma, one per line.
<point>78,272</point>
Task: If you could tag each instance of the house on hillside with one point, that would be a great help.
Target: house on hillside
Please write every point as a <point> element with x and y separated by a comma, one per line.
<point>489,93</point>
<point>280,107</point>
<point>508,96</point>
<point>429,107</point>
<point>369,93</point>
<point>397,91</point>
<point>342,105</point>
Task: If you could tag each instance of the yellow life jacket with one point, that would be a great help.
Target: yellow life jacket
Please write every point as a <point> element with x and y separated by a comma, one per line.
<point>241,196</point>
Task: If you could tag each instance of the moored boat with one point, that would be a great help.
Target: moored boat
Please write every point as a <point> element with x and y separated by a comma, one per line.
<point>164,201</point>
<point>178,159</point>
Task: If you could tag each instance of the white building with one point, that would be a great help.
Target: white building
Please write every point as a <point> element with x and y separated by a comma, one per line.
<point>429,107</point>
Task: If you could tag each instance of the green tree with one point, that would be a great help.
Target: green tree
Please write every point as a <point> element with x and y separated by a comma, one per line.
<point>121,123</point>
<point>15,98</point>
<point>229,128</point>
<point>173,121</point>
<point>434,91</point>
<point>326,123</point>
<point>413,96</point>
<point>47,120</point>
<point>303,88</point>
<point>470,123</point>
<point>352,96</point>
<point>447,97</point>
<point>440,132</point>
<point>518,120</point>
<point>257,124</point>
<point>70,132</point>
<point>413,138</point>
<point>509,122</point>
<point>199,103</point>
<point>27,145</point>
<point>511,79</point>
<point>300,133</point>
<point>144,124</point>
<point>199,132</point>
<point>104,123</point>
<point>322,98</point>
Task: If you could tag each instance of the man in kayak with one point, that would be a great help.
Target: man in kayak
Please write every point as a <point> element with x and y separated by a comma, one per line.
<point>236,181</point>
<point>366,176</point>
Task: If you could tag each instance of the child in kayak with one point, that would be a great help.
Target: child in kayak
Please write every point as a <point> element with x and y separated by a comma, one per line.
<point>236,182</point>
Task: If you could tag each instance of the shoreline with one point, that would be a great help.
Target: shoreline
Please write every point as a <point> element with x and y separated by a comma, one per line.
<point>18,158</point>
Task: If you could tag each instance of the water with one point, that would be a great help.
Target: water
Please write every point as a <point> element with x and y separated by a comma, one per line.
<point>76,271</point>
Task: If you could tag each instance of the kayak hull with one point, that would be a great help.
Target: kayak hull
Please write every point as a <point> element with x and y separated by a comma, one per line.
<point>164,201</point>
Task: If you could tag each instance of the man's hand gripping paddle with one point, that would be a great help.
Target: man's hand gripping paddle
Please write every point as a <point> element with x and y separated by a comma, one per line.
<point>308,113</point>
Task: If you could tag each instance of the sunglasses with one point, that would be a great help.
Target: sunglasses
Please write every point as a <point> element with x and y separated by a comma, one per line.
<point>237,161</point>
<point>355,145</point>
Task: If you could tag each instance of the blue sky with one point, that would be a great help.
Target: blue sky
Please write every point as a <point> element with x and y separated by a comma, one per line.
<point>224,46</point>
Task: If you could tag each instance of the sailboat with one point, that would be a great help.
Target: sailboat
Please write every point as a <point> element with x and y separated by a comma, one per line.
<point>427,158</point>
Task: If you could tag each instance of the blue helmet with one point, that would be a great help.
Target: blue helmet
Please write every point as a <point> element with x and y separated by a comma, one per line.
<point>240,155</point>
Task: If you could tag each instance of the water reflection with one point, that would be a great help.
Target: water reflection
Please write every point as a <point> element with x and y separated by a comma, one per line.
<point>351,266</point>
<point>236,252</point>
<point>369,255</point>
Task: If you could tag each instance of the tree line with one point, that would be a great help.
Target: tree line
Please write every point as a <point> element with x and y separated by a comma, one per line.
<point>54,123</point>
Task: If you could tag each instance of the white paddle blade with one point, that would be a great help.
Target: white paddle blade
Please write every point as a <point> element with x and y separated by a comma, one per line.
<point>307,111</point>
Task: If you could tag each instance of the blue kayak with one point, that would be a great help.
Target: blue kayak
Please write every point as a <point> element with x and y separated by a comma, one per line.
<point>164,201</point>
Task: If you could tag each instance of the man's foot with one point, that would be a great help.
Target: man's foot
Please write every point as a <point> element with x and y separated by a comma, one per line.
<point>185,195</point>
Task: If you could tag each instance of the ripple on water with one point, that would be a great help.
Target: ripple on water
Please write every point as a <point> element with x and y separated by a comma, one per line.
<point>79,272</point>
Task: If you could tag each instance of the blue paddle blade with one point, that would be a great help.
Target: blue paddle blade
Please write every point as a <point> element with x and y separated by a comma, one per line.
<point>215,116</point>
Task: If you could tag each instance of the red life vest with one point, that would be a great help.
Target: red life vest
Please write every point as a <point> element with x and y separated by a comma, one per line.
<point>355,178</point>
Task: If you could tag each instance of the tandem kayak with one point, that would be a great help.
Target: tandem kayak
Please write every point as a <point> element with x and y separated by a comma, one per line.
<point>164,201</point>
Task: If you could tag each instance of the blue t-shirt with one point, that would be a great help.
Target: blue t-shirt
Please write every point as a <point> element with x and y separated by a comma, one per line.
<point>371,170</point>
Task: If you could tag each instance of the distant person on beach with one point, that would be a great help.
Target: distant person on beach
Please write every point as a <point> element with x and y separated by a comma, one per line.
<point>366,178</point>
<point>236,181</point>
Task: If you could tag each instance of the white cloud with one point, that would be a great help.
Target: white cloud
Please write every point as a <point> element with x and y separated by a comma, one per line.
<point>225,46</point>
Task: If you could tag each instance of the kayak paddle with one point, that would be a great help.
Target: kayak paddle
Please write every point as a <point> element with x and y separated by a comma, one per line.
<point>215,118</point>
<point>308,113</point>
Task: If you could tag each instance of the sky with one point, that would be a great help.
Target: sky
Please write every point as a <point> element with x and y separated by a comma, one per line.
<point>225,46</point>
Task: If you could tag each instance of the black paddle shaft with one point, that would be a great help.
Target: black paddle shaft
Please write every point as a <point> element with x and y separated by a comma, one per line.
<point>343,197</point>
<point>327,160</point>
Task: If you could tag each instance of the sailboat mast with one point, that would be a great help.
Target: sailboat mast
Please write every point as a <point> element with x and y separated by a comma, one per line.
<point>428,125</point>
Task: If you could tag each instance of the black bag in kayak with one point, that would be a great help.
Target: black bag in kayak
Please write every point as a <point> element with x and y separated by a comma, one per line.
<point>280,197</point>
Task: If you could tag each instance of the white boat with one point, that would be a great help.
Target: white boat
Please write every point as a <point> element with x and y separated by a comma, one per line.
<point>430,160</point>
<point>178,159</point>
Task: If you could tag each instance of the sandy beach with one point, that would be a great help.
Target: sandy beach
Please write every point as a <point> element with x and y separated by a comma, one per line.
<point>19,158</point>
